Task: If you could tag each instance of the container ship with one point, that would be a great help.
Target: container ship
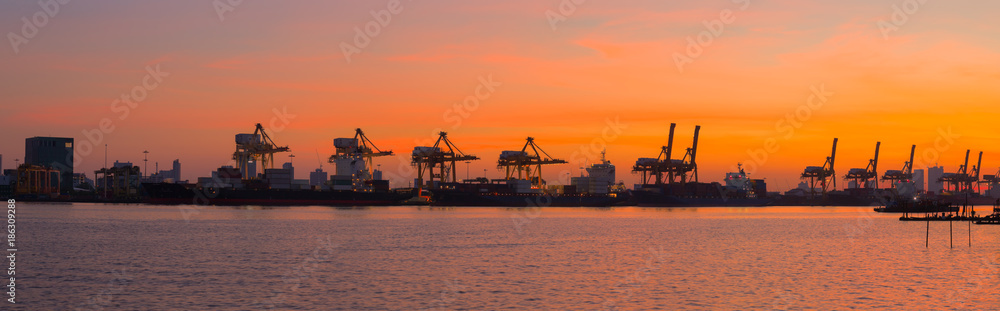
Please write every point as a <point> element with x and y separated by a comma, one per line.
<point>171,193</point>
<point>522,185</point>
<point>668,182</point>
<point>739,190</point>
<point>354,184</point>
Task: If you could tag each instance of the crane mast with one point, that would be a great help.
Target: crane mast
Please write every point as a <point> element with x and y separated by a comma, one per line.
<point>823,175</point>
<point>251,148</point>
<point>443,156</point>
<point>527,164</point>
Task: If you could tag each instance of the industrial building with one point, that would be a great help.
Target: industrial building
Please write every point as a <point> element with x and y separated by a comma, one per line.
<point>52,152</point>
<point>934,183</point>
<point>172,175</point>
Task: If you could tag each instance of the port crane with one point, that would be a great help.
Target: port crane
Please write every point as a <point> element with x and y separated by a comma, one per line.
<point>962,181</point>
<point>662,166</point>
<point>357,148</point>
<point>527,164</point>
<point>251,148</point>
<point>905,175</point>
<point>862,176</point>
<point>443,154</point>
<point>824,175</point>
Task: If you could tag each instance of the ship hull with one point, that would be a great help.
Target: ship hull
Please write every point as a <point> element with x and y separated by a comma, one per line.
<point>651,199</point>
<point>462,198</point>
<point>172,194</point>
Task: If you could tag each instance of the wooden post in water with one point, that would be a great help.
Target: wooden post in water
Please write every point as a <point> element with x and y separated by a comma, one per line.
<point>951,235</point>
<point>970,233</point>
<point>927,236</point>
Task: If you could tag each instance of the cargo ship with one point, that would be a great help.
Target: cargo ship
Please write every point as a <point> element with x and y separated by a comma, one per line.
<point>355,182</point>
<point>739,190</point>
<point>596,189</point>
<point>848,197</point>
<point>917,206</point>
<point>171,194</point>
<point>518,193</point>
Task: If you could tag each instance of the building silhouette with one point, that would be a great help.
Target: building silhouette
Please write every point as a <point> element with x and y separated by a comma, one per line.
<point>933,174</point>
<point>53,152</point>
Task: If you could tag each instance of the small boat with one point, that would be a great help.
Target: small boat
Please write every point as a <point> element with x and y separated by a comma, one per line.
<point>917,206</point>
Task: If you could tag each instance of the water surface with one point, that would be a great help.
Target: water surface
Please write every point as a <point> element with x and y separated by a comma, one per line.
<point>94,256</point>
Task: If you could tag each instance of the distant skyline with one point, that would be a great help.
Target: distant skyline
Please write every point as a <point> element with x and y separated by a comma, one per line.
<point>774,79</point>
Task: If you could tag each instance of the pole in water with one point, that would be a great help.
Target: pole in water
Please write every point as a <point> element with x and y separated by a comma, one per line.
<point>970,233</point>
<point>951,235</point>
<point>927,236</point>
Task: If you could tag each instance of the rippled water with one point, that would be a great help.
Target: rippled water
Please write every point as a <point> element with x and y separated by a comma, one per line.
<point>90,256</point>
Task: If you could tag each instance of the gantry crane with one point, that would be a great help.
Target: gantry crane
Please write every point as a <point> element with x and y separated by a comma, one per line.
<point>822,174</point>
<point>359,148</point>
<point>427,158</point>
<point>527,165</point>
<point>904,175</point>
<point>862,176</point>
<point>973,178</point>
<point>663,166</point>
<point>957,180</point>
<point>253,147</point>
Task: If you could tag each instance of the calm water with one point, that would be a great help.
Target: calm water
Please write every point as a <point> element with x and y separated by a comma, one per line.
<point>91,256</point>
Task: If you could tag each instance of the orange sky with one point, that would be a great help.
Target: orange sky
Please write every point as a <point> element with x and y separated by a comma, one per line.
<point>561,85</point>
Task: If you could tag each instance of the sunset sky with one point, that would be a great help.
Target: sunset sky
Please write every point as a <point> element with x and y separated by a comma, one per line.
<point>899,72</point>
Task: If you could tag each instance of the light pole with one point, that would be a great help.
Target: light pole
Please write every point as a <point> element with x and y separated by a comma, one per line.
<point>145,163</point>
